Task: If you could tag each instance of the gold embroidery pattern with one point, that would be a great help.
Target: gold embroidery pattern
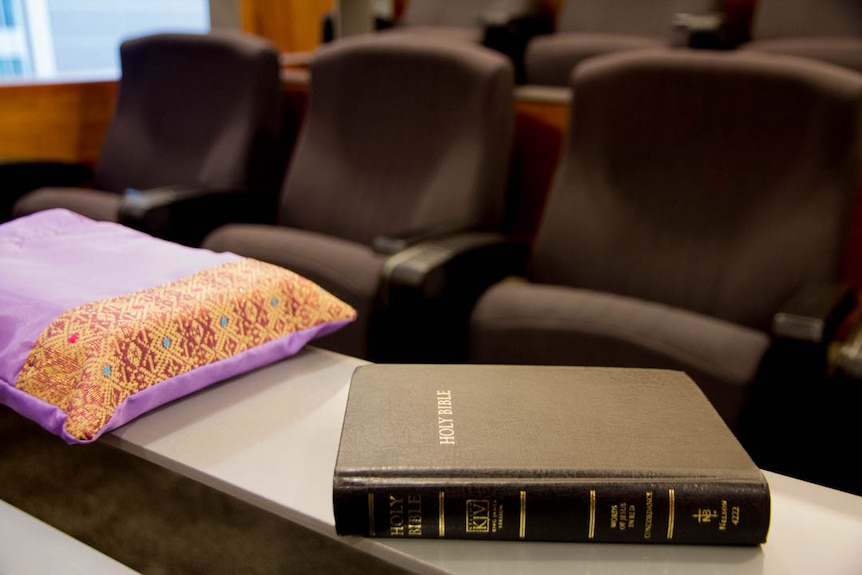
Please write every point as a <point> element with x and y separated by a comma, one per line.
<point>93,357</point>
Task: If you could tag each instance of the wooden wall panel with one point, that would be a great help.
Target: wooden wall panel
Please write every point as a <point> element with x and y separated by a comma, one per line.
<point>292,25</point>
<point>540,128</point>
<point>55,121</point>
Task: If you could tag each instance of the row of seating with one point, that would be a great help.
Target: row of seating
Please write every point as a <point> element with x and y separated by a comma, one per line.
<point>830,30</point>
<point>698,193</point>
<point>544,46</point>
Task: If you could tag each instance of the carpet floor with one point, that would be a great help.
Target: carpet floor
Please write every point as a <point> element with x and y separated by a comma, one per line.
<point>153,520</point>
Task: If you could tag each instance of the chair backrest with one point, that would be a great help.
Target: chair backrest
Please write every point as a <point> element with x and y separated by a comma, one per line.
<point>463,13</point>
<point>807,18</point>
<point>193,109</point>
<point>632,17</point>
<point>403,133</point>
<point>714,182</point>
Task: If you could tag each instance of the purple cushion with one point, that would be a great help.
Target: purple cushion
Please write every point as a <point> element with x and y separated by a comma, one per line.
<point>100,323</point>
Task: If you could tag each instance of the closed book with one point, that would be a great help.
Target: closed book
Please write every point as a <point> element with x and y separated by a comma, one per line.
<point>542,453</point>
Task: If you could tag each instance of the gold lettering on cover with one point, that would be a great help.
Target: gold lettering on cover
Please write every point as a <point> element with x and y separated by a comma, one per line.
<point>722,522</point>
<point>671,510</point>
<point>405,516</point>
<point>445,425</point>
<point>396,516</point>
<point>705,515</point>
<point>648,516</point>
<point>478,516</point>
<point>441,514</point>
<point>522,528</point>
<point>371,531</point>
<point>735,514</point>
<point>623,516</point>
<point>414,516</point>
<point>592,530</point>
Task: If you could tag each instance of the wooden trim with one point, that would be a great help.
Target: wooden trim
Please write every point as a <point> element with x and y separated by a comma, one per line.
<point>292,25</point>
<point>56,121</point>
<point>541,120</point>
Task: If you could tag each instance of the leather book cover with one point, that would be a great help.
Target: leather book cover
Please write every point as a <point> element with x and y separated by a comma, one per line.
<point>545,453</point>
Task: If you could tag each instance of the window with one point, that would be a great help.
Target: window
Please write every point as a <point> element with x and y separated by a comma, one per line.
<point>11,68</point>
<point>7,16</point>
<point>79,39</point>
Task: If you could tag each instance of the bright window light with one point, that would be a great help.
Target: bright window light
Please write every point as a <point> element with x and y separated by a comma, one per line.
<point>48,40</point>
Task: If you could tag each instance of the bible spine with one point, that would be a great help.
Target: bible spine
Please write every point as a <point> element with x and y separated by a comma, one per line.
<point>695,511</point>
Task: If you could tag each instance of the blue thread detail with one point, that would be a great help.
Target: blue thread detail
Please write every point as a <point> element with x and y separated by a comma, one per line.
<point>223,321</point>
<point>166,342</point>
<point>107,371</point>
<point>274,301</point>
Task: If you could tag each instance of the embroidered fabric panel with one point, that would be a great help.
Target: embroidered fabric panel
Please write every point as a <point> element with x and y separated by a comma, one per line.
<point>95,356</point>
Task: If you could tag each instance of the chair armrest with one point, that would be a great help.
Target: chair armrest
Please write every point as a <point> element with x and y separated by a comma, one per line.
<point>187,213</point>
<point>327,27</point>
<point>456,267</point>
<point>535,23</point>
<point>814,313</point>
<point>509,34</point>
<point>17,177</point>
<point>383,23</point>
<point>393,244</point>
<point>329,20</point>
<point>429,289</point>
<point>496,18</point>
<point>803,332</point>
<point>796,366</point>
<point>848,356</point>
<point>706,31</point>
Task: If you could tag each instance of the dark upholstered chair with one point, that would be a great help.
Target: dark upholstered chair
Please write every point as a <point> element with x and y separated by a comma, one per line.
<point>467,19</point>
<point>195,127</point>
<point>698,193</point>
<point>502,25</point>
<point>405,137</point>
<point>587,28</point>
<point>827,30</point>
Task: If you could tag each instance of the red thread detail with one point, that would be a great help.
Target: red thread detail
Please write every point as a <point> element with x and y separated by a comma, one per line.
<point>73,338</point>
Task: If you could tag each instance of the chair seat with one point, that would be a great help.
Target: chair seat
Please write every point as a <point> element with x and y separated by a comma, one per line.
<point>95,204</point>
<point>538,323</point>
